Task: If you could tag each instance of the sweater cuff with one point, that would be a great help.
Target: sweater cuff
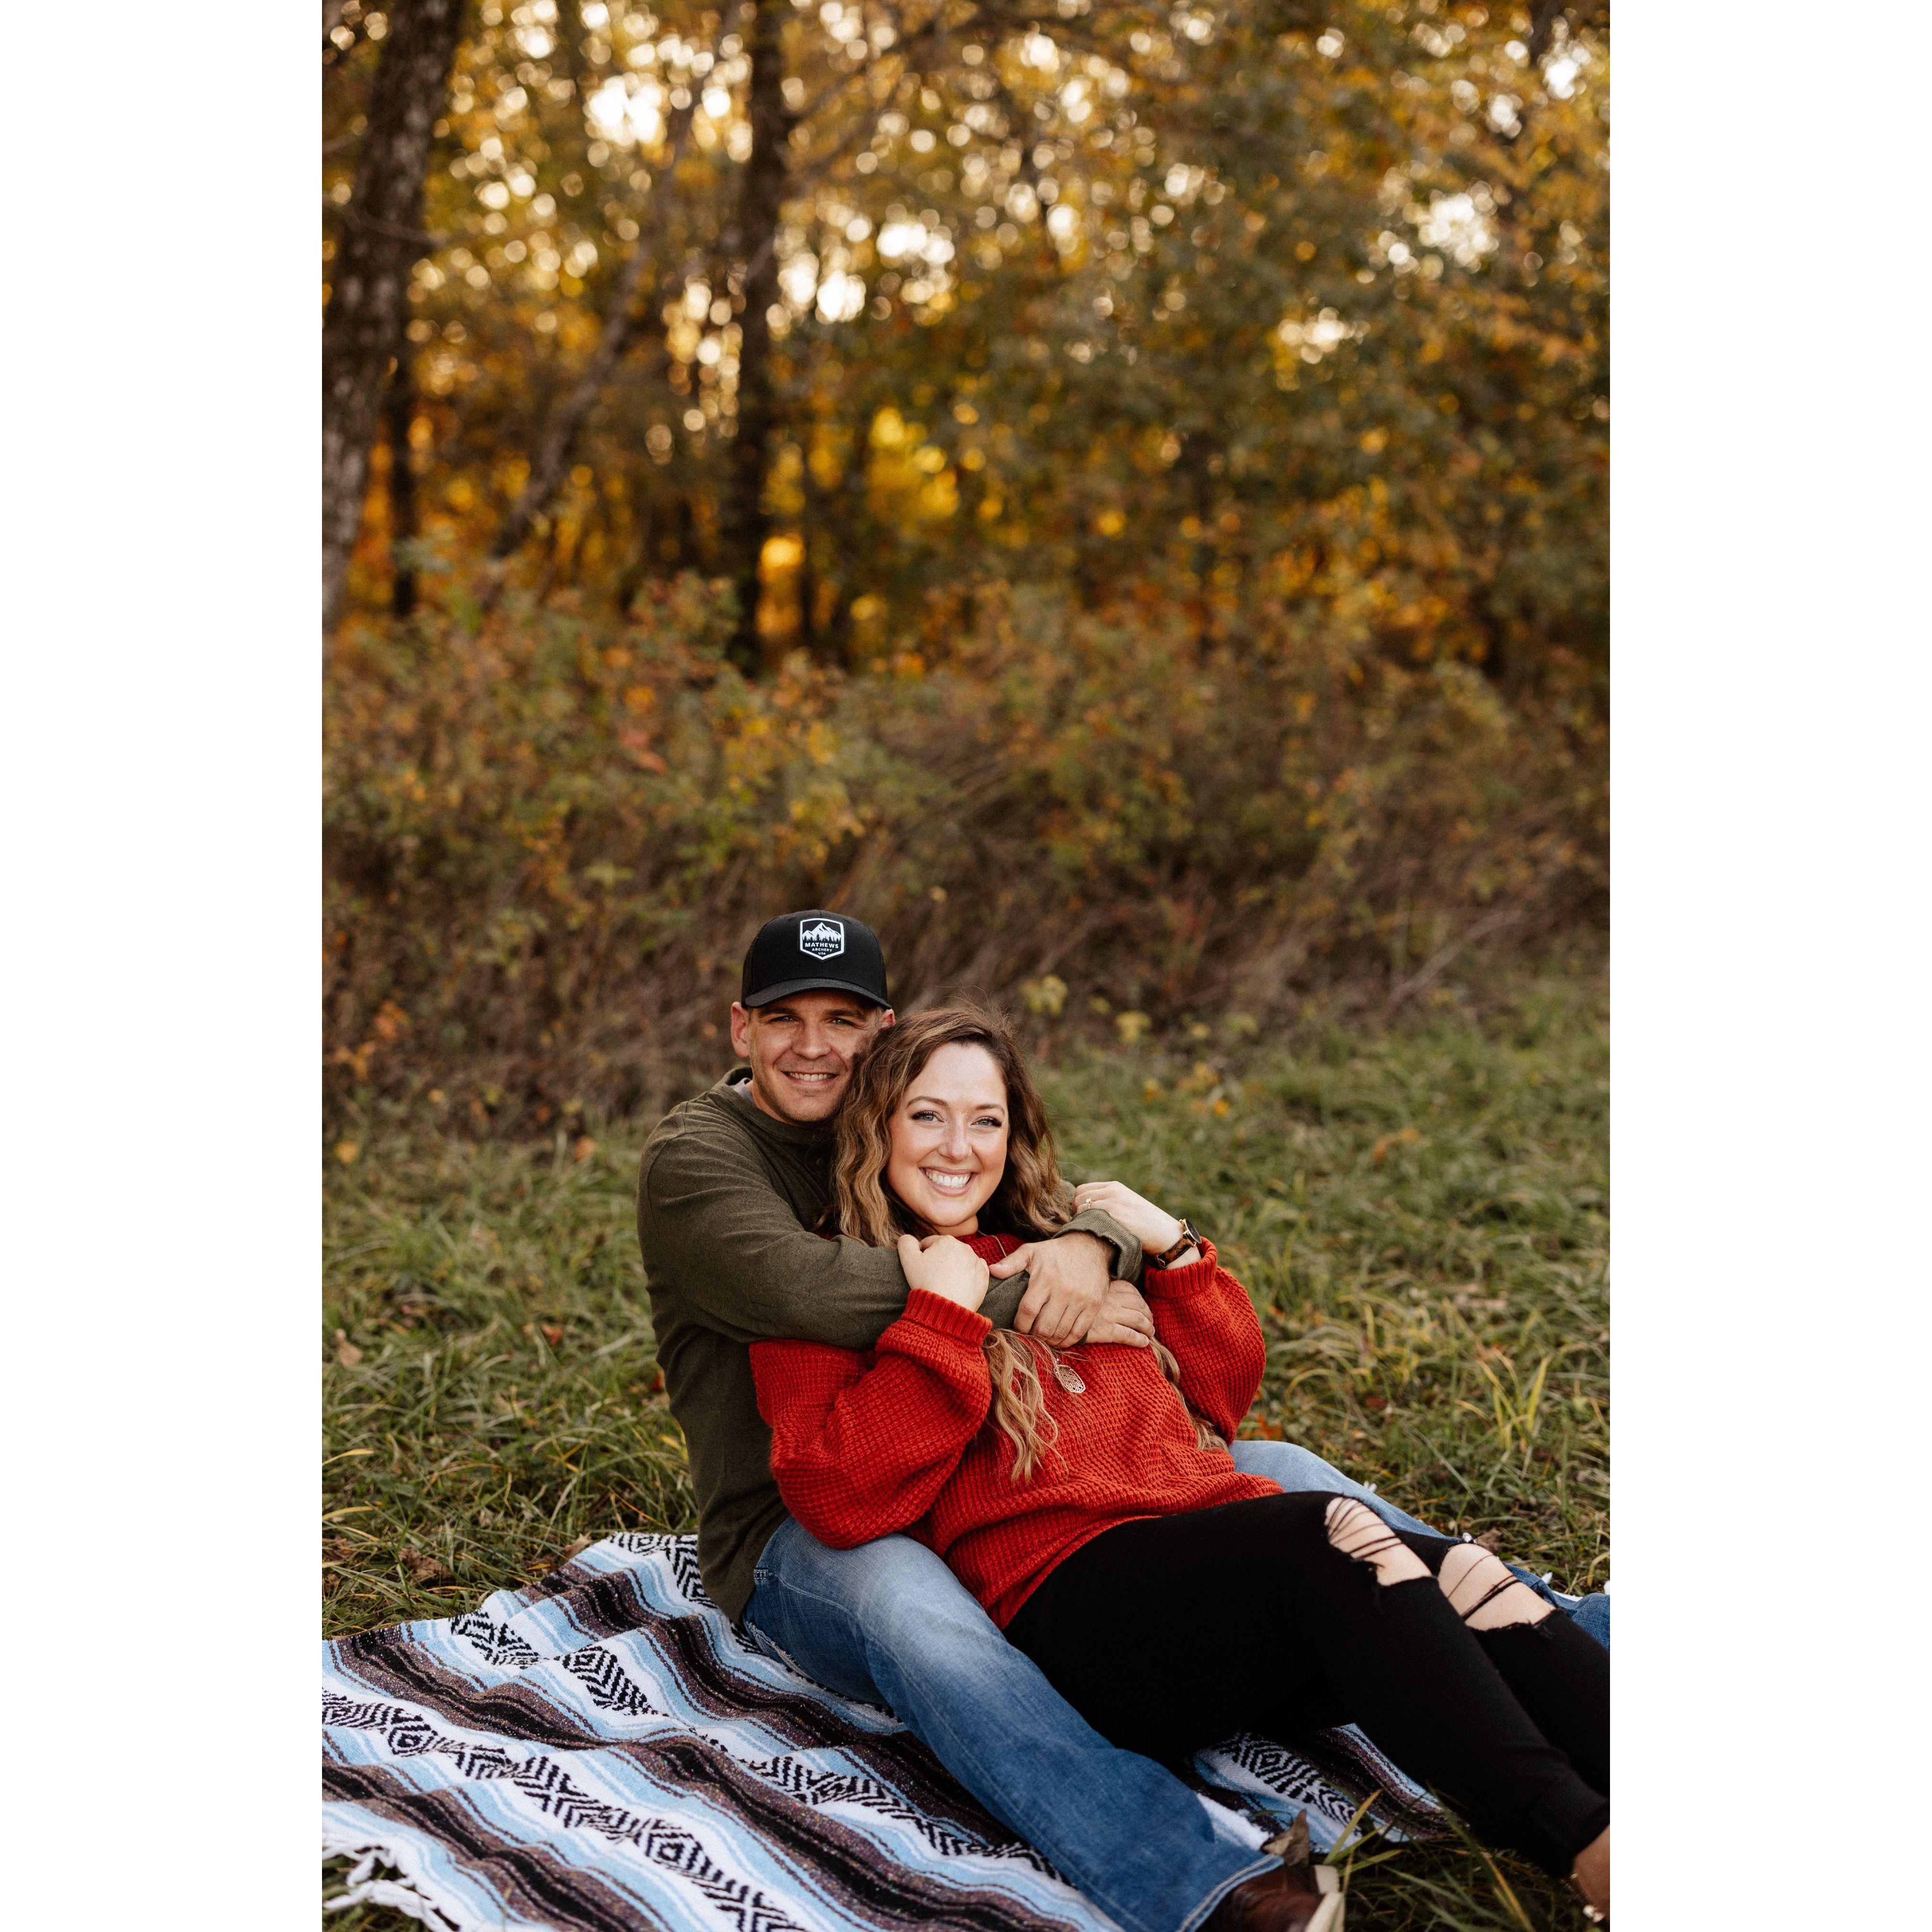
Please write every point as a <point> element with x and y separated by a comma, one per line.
<point>935,1311</point>
<point>1179,1283</point>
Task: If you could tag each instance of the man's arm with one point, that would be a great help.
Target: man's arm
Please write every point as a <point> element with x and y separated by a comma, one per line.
<point>709,1218</point>
<point>1076,1293</point>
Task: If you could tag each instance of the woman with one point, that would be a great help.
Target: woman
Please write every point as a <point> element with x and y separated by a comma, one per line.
<point>1088,1499</point>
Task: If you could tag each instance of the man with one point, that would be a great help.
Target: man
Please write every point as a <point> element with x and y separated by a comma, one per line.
<point>731,1186</point>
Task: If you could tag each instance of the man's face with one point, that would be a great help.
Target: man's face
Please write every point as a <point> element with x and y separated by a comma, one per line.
<point>802,1051</point>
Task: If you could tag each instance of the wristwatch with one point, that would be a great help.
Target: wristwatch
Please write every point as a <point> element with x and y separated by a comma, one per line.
<point>1190,1237</point>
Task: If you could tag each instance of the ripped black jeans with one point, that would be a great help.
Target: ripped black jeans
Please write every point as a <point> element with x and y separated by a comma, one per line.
<point>1170,1633</point>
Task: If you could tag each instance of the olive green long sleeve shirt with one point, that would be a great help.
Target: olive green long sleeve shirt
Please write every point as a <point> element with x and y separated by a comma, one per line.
<point>727,1198</point>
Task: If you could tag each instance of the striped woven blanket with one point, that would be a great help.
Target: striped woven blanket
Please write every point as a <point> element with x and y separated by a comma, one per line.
<point>604,1751</point>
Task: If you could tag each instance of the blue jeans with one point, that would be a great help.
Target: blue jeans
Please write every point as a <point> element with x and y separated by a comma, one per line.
<point>889,1624</point>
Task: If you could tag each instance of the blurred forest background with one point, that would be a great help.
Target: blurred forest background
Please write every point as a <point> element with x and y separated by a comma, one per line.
<point>1114,494</point>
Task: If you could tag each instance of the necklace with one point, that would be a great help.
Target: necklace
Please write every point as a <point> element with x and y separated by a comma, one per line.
<point>1068,1377</point>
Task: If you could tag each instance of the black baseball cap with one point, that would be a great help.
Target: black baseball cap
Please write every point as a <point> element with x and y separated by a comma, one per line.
<point>814,952</point>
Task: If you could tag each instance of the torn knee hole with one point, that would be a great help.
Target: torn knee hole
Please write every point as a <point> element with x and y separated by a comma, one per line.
<point>1355,1530</point>
<point>1484,1592</point>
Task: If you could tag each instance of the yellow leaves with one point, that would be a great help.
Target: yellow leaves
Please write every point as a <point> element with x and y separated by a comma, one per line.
<point>1131,1027</point>
<point>1110,522</point>
<point>347,1152</point>
<point>639,699</point>
<point>1375,442</point>
<point>1046,995</point>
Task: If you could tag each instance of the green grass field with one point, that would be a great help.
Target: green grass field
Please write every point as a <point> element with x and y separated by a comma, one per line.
<point>1420,1212</point>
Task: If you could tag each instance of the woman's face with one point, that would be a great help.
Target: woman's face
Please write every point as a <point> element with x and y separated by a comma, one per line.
<point>948,1139</point>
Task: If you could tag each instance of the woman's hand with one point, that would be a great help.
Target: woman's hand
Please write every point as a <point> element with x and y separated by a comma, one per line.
<point>946,1267</point>
<point>1154,1228</point>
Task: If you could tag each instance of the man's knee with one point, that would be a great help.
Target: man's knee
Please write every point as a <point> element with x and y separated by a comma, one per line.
<point>1288,1464</point>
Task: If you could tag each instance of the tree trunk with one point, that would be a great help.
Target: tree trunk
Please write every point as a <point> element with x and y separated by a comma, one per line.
<point>744,523</point>
<point>399,408</point>
<point>380,241</point>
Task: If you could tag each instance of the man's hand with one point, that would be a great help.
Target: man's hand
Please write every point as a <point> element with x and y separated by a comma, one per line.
<point>1124,1317</point>
<point>1067,1296</point>
<point>945,1268</point>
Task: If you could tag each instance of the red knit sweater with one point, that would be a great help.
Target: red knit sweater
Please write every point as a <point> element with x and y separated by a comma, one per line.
<point>897,1437</point>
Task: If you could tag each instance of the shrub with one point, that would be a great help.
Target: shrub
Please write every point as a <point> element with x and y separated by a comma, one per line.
<point>548,839</point>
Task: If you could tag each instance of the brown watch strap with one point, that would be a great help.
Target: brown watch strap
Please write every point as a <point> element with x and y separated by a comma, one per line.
<point>1190,1237</point>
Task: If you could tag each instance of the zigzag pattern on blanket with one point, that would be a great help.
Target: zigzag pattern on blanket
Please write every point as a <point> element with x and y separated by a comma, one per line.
<point>603,1752</point>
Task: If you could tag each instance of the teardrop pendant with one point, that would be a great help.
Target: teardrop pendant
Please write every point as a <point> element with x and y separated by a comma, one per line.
<point>1068,1377</point>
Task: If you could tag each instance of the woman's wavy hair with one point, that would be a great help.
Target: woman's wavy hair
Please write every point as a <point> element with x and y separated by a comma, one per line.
<point>1030,1202</point>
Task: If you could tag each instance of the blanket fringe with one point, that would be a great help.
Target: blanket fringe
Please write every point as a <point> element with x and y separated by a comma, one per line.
<point>365,1887</point>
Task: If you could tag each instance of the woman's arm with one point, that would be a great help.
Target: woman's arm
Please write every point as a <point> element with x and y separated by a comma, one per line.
<point>1204,1315</point>
<point>860,1451</point>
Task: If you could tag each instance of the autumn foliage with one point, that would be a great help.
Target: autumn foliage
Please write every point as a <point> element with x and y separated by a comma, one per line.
<point>548,840</point>
<point>1144,541</point>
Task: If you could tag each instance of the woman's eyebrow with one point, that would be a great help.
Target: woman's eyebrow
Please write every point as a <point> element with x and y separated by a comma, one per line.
<point>972,1106</point>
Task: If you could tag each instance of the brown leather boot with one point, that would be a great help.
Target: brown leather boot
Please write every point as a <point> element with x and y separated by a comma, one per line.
<point>1289,1899</point>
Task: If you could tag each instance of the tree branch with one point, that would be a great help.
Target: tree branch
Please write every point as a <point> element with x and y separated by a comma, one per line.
<point>567,420</point>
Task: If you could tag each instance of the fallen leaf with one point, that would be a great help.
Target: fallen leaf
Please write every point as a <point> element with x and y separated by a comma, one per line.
<point>1491,1539</point>
<point>585,1148</point>
<point>426,1570</point>
<point>578,1548</point>
<point>1407,1137</point>
<point>345,1152</point>
<point>1377,1402</point>
<point>552,1333</point>
<point>346,1352</point>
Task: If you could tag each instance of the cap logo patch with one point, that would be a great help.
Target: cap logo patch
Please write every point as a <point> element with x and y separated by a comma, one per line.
<point>823,938</point>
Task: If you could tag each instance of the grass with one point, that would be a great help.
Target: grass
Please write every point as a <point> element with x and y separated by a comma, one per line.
<point>1420,1212</point>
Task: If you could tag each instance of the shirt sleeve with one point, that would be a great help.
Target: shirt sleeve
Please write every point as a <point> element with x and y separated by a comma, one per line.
<point>861,1446</point>
<point>1205,1315</point>
<point>709,1217</point>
